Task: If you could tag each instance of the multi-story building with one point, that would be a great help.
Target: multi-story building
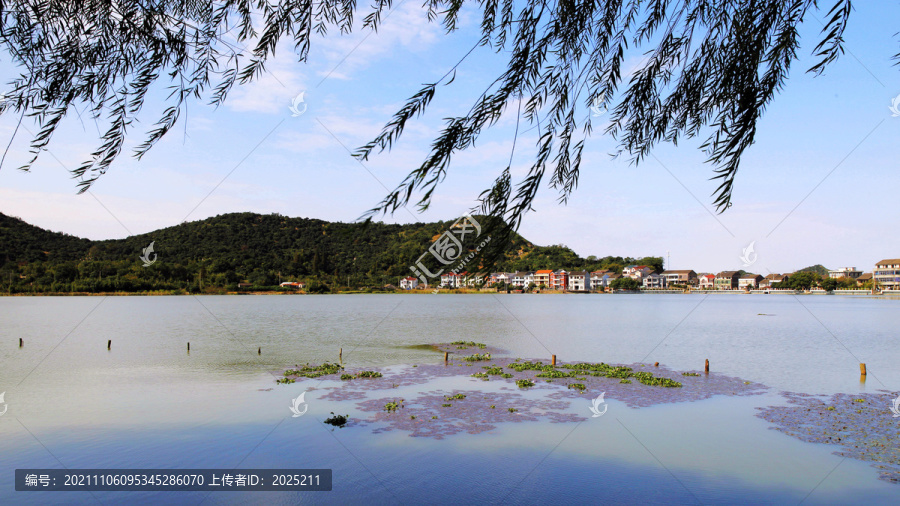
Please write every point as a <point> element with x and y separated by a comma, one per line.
<point>407,283</point>
<point>887,274</point>
<point>579,281</point>
<point>559,280</point>
<point>597,279</point>
<point>637,271</point>
<point>680,277</point>
<point>707,281</point>
<point>770,280</point>
<point>845,272</point>
<point>602,280</point>
<point>654,280</point>
<point>503,277</point>
<point>522,279</point>
<point>749,281</point>
<point>542,277</point>
<point>727,280</point>
<point>449,280</point>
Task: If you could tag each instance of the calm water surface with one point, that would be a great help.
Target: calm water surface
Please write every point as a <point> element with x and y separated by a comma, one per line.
<point>147,403</point>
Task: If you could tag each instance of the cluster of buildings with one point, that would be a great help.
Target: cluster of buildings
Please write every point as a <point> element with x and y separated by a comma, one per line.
<point>886,276</point>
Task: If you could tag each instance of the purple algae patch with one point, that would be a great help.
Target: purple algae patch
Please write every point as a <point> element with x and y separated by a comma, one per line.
<point>545,401</point>
<point>864,425</point>
<point>437,414</point>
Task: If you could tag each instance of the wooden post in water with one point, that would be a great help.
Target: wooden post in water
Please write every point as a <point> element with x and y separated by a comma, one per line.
<point>553,359</point>
<point>707,366</point>
<point>189,346</point>
<point>862,369</point>
<point>21,343</point>
<point>341,354</point>
<point>259,351</point>
<point>446,356</point>
<point>656,364</point>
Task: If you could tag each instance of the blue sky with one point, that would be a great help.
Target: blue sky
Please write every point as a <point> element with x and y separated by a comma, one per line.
<point>817,187</point>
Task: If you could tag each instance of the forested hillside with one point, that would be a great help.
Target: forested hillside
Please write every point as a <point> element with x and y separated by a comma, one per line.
<point>216,254</point>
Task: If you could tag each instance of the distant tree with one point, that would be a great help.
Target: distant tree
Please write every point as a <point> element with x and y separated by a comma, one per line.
<point>847,283</point>
<point>803,280</point>
<point>829,284</point>
<point>655,262</point>
<point>317,287</point>
<point>624,284</point>
<point>615,267</point>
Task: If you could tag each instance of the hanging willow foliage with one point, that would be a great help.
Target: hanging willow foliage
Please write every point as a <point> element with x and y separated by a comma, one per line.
<point>708,63</point>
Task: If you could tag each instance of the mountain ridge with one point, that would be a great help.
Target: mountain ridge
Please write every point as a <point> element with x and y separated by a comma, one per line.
<point>262,249</point>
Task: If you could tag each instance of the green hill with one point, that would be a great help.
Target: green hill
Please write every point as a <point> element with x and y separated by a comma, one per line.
<point>217,253</point>
<point>818,269</point>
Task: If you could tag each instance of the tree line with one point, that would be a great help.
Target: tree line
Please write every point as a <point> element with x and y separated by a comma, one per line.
<point>221,253</point>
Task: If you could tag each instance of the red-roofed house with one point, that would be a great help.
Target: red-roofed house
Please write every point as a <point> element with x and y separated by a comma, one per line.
<point>542,277</point>
<point>707,282</point>
<point>409,283</point>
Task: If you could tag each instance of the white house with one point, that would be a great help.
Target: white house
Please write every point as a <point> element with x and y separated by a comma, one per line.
<point>601,280</point>
<point>845,272</point>
<point>708,282</point>
<point>521,279</point>
<point>637,271</point>
<point>449,280</point>
<point>579,281</point>
<point>504,277</point>
<point>409,283</point>
<point>654,280</point>
<point>749,281</point>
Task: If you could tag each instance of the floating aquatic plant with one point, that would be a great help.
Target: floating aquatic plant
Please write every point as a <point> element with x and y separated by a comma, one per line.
<point>284,381</point>
<point>337,420</point>
<point>482,376</point>
<point>478,357</point>
<point>391,406</point>
<point>690,374</point>
<point>530,366</point>
<point>315,371</point>
<point>368,374</point>
<point>578,386</point>
<point>512,410</point>
<point>455,397</point>
<point>494,370</point>
<point>524,383</point>
<point>346,377</point>
<point>446,405</point>
<point>553,373</point>
<point>466,344</point>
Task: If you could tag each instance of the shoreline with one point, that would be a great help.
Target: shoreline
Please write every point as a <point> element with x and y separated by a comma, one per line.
<point>160,293</point>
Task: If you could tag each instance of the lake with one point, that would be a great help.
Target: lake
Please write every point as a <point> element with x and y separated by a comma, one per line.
<point>148,403</point>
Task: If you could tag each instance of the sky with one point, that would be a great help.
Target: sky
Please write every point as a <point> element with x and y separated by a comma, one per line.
<point>818,186</point>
